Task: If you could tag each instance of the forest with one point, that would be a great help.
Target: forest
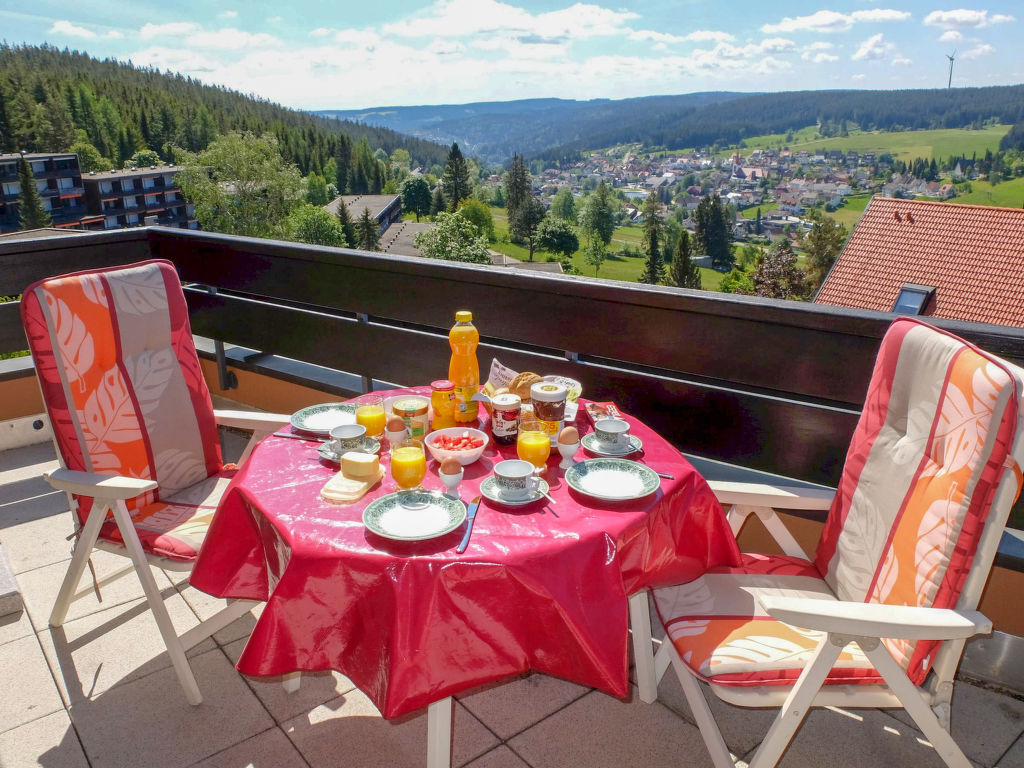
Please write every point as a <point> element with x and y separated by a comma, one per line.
<point>51,99</point>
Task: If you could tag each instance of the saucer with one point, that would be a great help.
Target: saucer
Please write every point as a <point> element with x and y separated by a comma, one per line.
<point>489,490</point>
<point>369,445</point>
<point>596,447</point>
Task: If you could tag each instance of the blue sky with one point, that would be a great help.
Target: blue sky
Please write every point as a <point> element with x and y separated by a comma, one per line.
<point>317,55</point>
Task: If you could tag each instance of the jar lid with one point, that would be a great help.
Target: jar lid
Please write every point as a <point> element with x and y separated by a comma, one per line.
<point>442,384</point>
<point>548,392</point>
<point>506,400</point>
<point>464,316</point>
<point>414,405</point>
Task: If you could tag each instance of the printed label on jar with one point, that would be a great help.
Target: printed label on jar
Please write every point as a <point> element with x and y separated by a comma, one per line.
<point>553,428</point>
<point>464,402</point>
<point>505,422</point>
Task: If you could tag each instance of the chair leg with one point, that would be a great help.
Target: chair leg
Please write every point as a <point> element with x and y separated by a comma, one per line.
<point>83,548</point>
<point>439,733</point>
<point>709,729</point>
<point>643,652</point>
<point>156,604</point>
<point>794,710</point>
<point>291,682</point>
<point>917,708</point>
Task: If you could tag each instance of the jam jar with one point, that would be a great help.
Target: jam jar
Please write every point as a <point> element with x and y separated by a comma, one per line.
<point>505,418</point>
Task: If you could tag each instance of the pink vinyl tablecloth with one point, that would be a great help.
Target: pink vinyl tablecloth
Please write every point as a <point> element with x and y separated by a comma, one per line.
<point>541,587</point>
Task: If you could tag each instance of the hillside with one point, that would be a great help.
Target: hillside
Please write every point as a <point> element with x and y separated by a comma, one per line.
<point>556,129</point>
<point>47,95</point>
<point>495,130</point>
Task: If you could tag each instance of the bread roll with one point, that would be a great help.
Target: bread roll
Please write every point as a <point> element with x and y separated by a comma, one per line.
<point>521,384</point>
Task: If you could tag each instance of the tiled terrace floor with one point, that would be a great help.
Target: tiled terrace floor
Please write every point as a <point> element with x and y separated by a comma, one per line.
<point>100,692</point>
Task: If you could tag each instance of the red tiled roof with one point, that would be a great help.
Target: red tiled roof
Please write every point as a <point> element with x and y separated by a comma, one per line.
<point>972,255</point>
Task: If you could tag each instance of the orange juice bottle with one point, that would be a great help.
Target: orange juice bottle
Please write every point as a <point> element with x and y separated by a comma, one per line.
<point>464,371</point>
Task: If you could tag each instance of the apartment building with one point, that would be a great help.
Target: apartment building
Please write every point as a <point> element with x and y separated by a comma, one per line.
<point>59,181</point>
<point>133,197</point>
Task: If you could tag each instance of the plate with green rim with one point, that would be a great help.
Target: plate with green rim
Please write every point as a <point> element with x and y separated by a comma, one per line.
<point>430,514</point>
<point>321,419</point>
<point>368,445</point>
<point>612,479</point>
<point>598,448</point>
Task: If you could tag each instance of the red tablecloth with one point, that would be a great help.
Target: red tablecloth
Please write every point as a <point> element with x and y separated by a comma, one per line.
<point>540,587</point>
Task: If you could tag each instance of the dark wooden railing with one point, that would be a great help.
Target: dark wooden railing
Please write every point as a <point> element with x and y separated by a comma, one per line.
<point>771,385</point>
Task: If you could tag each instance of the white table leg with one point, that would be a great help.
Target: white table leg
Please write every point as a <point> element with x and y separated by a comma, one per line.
<point>439,733</point>
<point>291,682</point>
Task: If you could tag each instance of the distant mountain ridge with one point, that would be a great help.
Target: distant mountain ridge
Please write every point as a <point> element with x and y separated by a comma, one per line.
<point>494,130</point>
<point>556,129</point>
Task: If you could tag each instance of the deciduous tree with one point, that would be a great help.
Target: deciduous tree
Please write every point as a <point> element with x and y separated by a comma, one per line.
<point>598,214</point>
<point>557,236</point>
<point>777,275</point>
<point>595,252</point>
<point>563,206</point>
<point>416,196</point>
<point>823,243</point>
<point>479,215</point>
<point>316,189</point>
<point>89,158</point>
<point>454,238</point>
<point>309,223</point>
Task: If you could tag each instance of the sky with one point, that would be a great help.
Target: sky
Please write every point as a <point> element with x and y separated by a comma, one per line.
<point>310,54</point>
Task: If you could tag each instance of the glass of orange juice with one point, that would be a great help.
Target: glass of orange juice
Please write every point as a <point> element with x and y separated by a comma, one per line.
<point>408,466</point>
<point>533,444</point>
<point>370,413</point>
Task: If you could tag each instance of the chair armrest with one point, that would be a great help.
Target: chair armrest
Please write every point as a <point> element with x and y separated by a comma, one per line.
<point>251,420</point>
<point>103,487</point>
<point>875,619</point>
<point>778,496</point>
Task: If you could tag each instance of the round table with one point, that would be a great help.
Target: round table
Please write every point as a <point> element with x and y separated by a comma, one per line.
<point>541,587</point>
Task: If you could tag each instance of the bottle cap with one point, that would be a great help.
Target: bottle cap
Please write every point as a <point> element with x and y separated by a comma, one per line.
<point>464,316</point>
<point>548,392</point>
<point>442,385</point>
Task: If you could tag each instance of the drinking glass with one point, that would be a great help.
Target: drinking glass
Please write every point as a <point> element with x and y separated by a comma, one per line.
<point>408,467</point>
<point>370,413</point>
<point>533,444</point>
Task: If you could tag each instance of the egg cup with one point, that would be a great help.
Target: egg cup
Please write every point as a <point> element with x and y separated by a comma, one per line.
<point>568,451</point>
<point>451,482</point>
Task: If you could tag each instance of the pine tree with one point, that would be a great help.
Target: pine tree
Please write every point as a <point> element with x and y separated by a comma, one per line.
<point>437,202</point>
<point>345,220</point>
<point>654,265</point>
<point>31,211</point>
<point>455,180</point>
<point>685,274</point>
<point>518,186</point>
<point>367,232</point>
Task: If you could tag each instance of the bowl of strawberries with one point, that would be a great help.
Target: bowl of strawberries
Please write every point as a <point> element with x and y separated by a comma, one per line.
<point>464,444</point>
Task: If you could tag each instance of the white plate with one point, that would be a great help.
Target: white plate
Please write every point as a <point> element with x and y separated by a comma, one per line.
<point>489,490</point>
<point>321,419</point>
<point>596,447</point>
<point>434,515</point>
<point>612,479</point>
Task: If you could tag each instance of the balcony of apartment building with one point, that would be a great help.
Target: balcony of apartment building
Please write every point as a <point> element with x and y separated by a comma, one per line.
<point>740,384</point>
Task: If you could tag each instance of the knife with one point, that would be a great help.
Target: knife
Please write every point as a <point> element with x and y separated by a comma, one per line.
<point>471,516</point>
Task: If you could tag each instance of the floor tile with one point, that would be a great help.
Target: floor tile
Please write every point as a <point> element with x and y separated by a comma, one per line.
<point>1014,757</point>
<point>270,749</point>
<point>510,707</point>
<point>598,730</point>
<point>39,587</point>
<point>29,691</point>
<point>14,626</point>
<point>205,606</point>
<point>984,723</point>
<point>315,689</point>
<point>47,742</point>
<point>34,532</point>
<point>107,648</point>
<point>499,757</point>
<point>352,726</point>
<point>148,722</point>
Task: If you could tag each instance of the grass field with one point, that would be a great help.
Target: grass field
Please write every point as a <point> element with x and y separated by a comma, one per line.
<point>902,145</point>
<point>1008,194</point>
<point>751,213</point>
<point>851,210</point>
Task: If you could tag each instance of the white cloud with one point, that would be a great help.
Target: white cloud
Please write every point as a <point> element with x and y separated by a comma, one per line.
<point>463,18</point>
<point>231,39</point>
<point>275,19</point>
<point>706,35</point>
<point>950,36</point>
<point>902,61</point>
<point>171,29</point>
<point>833,21</point>
<point>858,78</point>
<point>872,49</point>
<point>965,18</point>
<point>228,15</point>
<point>177,60</point>
<point>818,53</point>
<point>977,52</point>
<point>74,30</point>
<point>321,32</point>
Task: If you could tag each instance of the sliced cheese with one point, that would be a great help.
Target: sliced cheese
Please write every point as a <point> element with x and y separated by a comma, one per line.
<point>345,490</point>
<point>359,466</point>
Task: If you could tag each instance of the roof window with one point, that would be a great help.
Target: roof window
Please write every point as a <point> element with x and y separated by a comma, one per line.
<point>913,299</point>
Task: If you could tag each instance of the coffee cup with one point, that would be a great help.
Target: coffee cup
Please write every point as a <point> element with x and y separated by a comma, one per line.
<point>515,479</point>
<point>612,433</point>
<point>347,437</point>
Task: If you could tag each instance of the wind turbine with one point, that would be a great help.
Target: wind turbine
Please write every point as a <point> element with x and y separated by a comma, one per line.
<point>951,59</point>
